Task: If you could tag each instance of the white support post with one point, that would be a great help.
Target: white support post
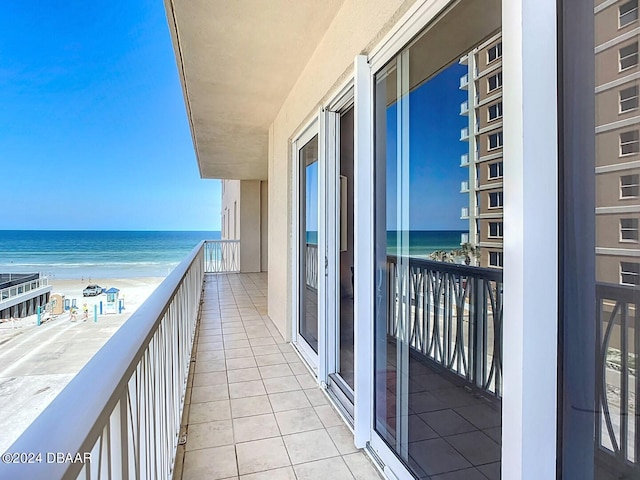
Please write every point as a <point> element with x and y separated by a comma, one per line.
<point>530,239</point>
<point>363,251</point>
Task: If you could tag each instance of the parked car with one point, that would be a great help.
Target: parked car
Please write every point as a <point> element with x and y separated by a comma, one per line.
<point>92,291</point>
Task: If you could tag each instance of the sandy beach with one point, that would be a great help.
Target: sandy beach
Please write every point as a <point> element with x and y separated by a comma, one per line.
<point>37,362</point>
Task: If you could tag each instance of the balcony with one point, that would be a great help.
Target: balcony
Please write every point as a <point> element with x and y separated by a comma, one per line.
<point>464,134</point>
<point>464,81</point>
<point>464,60</point>
<point>200,349</point>
<point>464,186</point>
<point>464,108</point>
<point>464,238</point>
<point>464,213</point>
<point>464,160</point>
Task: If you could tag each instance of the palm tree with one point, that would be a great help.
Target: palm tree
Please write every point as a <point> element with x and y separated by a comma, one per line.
<point>441,256</point>
<point>467,251</point>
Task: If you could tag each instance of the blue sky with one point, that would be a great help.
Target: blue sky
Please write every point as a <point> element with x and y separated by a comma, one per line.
<point>93,129</point>
<point>434,154</point>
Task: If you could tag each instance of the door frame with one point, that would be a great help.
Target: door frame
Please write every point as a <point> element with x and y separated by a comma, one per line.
<point>341,102</point>
<point>311,129</point>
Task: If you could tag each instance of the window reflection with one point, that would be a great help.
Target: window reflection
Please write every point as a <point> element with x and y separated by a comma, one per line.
<point>438,340</point>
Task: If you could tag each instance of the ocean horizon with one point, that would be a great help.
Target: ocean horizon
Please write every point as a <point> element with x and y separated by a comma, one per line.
<point>93,254</point>
<point>86,254</point>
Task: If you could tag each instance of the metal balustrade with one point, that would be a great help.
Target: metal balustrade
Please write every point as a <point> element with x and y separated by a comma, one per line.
<point>618,421</point>
<point>451,314</point>
<point>125,405</point>
<point>311,263</point>
<point>222,256</point>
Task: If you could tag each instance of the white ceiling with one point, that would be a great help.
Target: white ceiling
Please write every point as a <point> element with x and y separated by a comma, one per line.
<point>238,60</point>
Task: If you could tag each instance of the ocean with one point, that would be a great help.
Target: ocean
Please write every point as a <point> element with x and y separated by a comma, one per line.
<point>126,254</point>
<point>421,242</point>
<point>96,254</point>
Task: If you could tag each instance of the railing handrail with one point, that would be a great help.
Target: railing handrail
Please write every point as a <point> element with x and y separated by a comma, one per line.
<point>491,274</point>
<point>94,391</point>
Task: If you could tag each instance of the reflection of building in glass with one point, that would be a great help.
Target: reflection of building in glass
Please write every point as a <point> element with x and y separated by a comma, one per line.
<point>483,81</point>
<point>617,142</point>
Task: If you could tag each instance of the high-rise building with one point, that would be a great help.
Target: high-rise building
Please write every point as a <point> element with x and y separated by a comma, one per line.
<point>617,142</point>
<point>484,159</point>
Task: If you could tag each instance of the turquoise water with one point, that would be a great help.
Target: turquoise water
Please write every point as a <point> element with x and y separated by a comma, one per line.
<point>95,254</point>
<point>421,242</point>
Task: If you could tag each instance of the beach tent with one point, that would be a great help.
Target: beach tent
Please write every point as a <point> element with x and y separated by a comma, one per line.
<point>112,300</point>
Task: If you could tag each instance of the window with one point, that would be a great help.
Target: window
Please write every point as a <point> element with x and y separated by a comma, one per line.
<point>495,111</point>
<point>628,56</point>
<point>495,199</point>
<point>494,82</point>
<point>495,229</point>
<point>495,140</point>
<point>630,186</point>
<point>629,99</point>
<point>494,52</point>
<point>629,142</point>
<point>629,273</point>
<point>628,229</point>
<point>627,13</point>
<point>495,170</point>
<point>495,259</point>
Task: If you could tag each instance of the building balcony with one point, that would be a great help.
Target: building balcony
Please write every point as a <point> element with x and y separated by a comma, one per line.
<point>464,60</point>
<point>464,238</point>
<point>464,81</point>
<point>198,383</point>
<point>464,108</point>
<point>464,186</point>
<point>464,160</point>
<point>464,213</point>
<point>464,134</point>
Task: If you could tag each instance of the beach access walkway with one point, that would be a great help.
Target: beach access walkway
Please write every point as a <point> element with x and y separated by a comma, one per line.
<point>37,362</point>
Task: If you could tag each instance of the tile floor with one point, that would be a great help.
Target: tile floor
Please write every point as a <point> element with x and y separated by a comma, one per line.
<point>253,411</point>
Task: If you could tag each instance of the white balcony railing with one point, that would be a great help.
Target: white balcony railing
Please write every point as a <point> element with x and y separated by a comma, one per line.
<point>464,81</point>
<point>464,186</point>
<point>464,107</point>
<point>464,134</point>
<point>464,160</point>
<point>222,256</point>
<point>464,212</point>
<point>464,238</point>
<point>121,413</point>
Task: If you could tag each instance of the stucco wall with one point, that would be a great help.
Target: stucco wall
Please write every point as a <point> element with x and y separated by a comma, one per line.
<point>329,66</point>
<point>230,227</point>
<point>250,226</point>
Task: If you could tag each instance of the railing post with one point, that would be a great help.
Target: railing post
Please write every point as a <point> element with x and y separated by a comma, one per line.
<point>478,332</point>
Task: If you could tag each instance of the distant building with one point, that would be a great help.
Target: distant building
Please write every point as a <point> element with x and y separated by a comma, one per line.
<point>617,143</point>
<point>22,293</point>
<point>484,159</point>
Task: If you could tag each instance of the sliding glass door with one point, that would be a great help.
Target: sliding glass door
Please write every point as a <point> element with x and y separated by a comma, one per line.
<point>438,248</point>
<point>308,251</point>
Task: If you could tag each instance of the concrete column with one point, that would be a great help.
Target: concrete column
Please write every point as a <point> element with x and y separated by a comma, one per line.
<point>250,221</point>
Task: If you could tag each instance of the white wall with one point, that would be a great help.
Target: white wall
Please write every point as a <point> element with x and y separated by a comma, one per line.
<point>264,226</point>
<point>250,232</point>
<point>330,65</point>
<point>230,195</point>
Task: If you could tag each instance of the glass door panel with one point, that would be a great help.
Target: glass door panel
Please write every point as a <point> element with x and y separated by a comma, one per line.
<point>345,241</point>
<point>438,248</point>
<point>342,381</point>
<point>309,252</point>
